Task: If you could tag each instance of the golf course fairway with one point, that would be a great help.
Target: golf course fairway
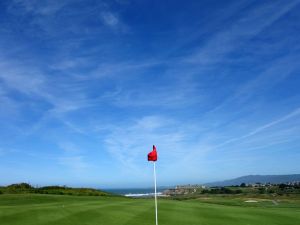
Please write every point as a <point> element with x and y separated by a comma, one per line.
<point>33,209</point>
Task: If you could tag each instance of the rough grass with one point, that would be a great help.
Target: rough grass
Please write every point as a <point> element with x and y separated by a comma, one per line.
<point>25,209</point>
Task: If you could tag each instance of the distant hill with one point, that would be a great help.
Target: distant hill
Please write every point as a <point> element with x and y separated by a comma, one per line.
<point>24,188</point>
<point>251,179</point>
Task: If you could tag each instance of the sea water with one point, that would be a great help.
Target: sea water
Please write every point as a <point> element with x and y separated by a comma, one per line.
<point>137,192</point>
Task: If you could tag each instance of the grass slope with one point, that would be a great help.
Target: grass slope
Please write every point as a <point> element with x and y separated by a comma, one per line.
<point>24,188</point>
<point>25,209</point>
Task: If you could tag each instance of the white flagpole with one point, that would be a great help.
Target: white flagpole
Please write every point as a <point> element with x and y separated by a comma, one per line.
<point>155,193</point>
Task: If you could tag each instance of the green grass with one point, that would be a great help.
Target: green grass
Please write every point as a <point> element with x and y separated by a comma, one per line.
<point>25,188</point>
<point>33,209</point>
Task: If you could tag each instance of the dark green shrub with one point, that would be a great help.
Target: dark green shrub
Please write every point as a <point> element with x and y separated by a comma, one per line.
<point>238,191</point>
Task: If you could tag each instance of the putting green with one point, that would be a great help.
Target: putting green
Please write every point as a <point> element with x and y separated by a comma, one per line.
<point>72,210</point>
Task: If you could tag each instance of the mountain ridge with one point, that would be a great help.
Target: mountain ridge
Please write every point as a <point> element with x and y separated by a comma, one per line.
<point>250,179</point>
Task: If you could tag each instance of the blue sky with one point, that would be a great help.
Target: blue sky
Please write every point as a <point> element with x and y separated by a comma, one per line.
<point>87,87</point>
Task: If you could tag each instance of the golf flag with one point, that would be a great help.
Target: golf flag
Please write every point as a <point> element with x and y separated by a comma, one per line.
<point>152,156</point>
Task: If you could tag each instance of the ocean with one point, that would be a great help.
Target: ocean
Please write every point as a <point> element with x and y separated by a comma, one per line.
<point>137,192</point>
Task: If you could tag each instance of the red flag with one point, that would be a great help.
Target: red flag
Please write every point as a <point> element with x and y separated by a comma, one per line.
<point>152,156</point>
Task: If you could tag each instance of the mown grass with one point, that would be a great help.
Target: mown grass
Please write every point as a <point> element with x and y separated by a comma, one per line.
<point>25,209</point>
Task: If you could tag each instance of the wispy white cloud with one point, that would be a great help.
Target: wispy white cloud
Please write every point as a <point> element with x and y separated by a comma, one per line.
<point>166,97</point>
<point>273,74</point>
<point>248,26</point>
<point>113,20</point>
<point>269,143</point>
<point>64,64</point>
<point>211,143</point>
<point>179,91</point>
<point>39,7</point>
<point>175,140</point>
<point>109,19</point>
<point>150,123</point>
<point>45,17</point>
<point>130,142</point>
<point>288,116</point>
<point>16,76</point>
<point>120,69</point>
<point>28,79</point>
<point>39,90</point>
